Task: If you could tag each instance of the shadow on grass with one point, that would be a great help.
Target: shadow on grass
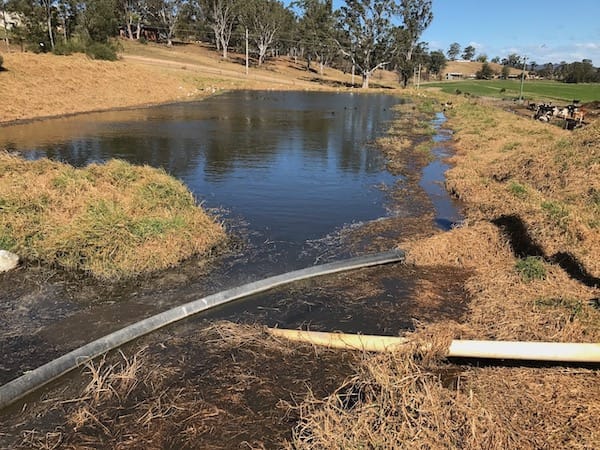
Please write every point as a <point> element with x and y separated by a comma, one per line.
<point>523,245</point>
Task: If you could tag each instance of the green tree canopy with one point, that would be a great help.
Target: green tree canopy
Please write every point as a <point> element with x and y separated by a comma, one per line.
<point>416,16</point>
<point>485,73</point>
<point>437,62</point>
<point>453,51</point>
<point>316,30</point>
<point>468,53</point>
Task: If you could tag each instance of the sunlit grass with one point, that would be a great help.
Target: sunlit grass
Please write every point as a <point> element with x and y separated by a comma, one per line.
<point>113,220</point>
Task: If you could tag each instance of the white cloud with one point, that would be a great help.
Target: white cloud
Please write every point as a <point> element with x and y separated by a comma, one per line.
<point>544,53</point>
<point>588,45</point>
<point>477,45</point>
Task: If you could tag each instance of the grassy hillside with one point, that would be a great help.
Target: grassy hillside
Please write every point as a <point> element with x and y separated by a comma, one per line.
<point>44,85</point>
<point>468,68</point>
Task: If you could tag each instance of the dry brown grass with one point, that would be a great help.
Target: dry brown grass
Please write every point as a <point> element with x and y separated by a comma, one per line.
<point>113,220</point>
<point>547,177</point>
<point>468,68</point>
<point>407,400</point>
<point>48,85</point>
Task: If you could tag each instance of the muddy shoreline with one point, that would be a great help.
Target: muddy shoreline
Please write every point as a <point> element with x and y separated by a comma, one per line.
<point>337,300</point>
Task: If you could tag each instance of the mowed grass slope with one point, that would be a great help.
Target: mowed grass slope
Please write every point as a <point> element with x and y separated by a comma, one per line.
<point>113,221</point>
<point>532,89</point>
<point>49,85</point>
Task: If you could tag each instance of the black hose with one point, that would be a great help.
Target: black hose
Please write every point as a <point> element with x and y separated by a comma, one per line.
<point>35,379</point>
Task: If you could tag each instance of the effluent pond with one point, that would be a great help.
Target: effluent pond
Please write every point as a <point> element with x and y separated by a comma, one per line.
<point>297,180</point>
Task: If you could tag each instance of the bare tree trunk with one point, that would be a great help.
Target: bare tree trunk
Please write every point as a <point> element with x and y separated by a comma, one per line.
<point>129,30</point>
<point>365,77</point>
<point>64,23</point>
<point>5,28</point>
<point>262,51</point>
<point>138,30</point>
<point>224,47</point>
<point>49,22</point>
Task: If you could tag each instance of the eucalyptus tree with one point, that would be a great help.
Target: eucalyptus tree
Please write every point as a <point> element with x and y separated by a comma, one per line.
<point>166,13</point>
<point>36,25</point>
<point>485,73</point>
<point>316,29</point>
<point>436,62</point>
<point>416,16</point>
<point>99,19</point>
<point>48,6</point>
<point>453,51</point>
<point>4,14</point>
<point>67,11</point>
<point>264,19</point>
<point>367,28</point>
<point>468,53</point>
<point>133,12</point>
<point>222,16</point>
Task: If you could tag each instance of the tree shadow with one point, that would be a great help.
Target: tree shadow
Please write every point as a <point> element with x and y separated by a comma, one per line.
<point>523,245</point>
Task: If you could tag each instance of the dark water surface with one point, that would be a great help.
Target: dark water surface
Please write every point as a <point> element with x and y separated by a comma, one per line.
<point>294,166</point>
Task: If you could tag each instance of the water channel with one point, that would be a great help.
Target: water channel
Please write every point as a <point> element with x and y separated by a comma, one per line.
<point>290,173</point>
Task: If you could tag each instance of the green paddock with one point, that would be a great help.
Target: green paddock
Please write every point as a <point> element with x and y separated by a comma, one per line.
<point>532,89</point>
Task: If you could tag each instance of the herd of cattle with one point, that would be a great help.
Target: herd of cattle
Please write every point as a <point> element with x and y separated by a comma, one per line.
<point>573,115</point>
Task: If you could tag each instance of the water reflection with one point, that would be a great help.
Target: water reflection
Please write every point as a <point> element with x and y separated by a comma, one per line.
<point>295,165</point>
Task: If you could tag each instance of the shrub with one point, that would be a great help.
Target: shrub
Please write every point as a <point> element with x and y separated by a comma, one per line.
<point>531,268</point>
<point>97,50</point>
<point>69,47</point>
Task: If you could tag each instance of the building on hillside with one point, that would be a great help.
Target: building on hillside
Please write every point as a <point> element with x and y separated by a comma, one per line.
<point>154,34</point>
<point>454,76</point>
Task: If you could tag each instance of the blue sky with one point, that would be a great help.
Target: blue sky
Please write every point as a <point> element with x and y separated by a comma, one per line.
<point>543,30</point>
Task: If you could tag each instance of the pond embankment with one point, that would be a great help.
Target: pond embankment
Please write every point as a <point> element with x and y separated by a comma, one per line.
<point>530,241</point>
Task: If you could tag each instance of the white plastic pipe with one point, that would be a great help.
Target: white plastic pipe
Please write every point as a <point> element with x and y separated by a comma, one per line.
<point>534,351</point>
<point>531,351</point>
<point>364,342</point>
